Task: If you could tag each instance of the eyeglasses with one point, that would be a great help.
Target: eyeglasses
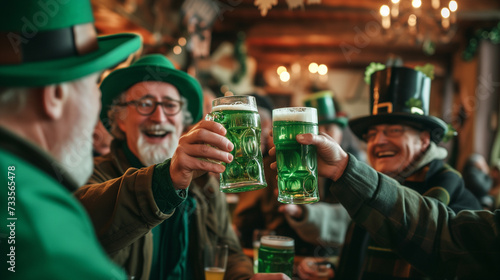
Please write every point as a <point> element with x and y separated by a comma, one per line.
<point>147,105</point>
<point>392,131</point>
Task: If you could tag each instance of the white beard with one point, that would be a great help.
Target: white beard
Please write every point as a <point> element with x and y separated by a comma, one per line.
<point>75,156</point>
<point>151,154</point>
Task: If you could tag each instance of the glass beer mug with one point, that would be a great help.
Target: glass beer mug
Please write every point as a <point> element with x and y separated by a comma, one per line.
<point>297,164</point>
<point>276,254</point>
<point>239,116</point>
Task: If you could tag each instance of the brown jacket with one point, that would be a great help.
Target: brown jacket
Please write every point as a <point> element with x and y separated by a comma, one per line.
<point>124,214</point>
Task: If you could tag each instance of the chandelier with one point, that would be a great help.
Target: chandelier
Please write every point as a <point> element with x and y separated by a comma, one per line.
<point>426,24</point>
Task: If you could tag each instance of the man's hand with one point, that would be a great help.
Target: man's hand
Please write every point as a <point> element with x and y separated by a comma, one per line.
<point>270,276</point>
<point>204,141</point>
<point>332,160</point>
<point>308,269</point>
<point>295,211</point>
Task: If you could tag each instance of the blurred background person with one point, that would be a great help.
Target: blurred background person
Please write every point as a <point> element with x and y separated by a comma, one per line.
<point>327,222</point>
<point>476,174</point>
<point>101,140</point>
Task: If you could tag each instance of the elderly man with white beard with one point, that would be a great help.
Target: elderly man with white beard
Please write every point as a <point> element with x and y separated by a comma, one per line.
<point>49,105</point>
<point>146,107</point>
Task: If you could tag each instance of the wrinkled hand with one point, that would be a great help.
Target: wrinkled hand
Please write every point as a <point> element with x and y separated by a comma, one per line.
<point>270,276</point>
<point>190,158</point>
<point>332,160</point>
<point>293,210</point>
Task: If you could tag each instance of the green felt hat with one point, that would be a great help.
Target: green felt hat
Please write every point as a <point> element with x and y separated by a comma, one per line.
<point>154,67</point>
<point>323,102</point>
<point>400,95</point>
<point>50,42</point>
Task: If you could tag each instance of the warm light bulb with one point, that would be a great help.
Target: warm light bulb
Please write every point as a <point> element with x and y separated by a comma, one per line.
<point>453,6</point>
<point>435,4</point>
<point>416,3</point>
<point>412,20</point>
<point>445,13</point>
<point>384,10</point>
<point>285,76</point>
<point>313,67</point>
<point>395,1</point>
<point>177,50</point>
<point>322,69</point>
<point>182,41</point>
<point>281,69</point>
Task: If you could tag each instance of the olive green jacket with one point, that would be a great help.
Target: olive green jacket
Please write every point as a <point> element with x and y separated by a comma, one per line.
<point>124,214</point>
<point>422,230</point>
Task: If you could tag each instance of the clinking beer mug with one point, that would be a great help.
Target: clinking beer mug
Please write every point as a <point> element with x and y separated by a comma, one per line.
<point>239,116</point>
<point>297,164</point>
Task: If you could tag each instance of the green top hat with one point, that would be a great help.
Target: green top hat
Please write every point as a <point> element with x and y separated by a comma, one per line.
<point>153,67</point>
<point>400,95</point>
<point>323,102</point>
<point>49,42</point>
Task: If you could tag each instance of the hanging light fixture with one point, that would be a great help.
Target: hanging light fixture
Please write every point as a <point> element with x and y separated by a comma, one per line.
<point>425,23</point>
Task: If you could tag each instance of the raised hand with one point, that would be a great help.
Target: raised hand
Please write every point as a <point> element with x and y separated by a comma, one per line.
<point>199,151</point>
<point>332,160</point>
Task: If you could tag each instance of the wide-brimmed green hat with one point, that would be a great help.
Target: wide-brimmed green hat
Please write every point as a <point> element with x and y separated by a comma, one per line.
<point>323,102</point>
<point>49,42</point>
<point>400,95</point>
<point>153,67</point>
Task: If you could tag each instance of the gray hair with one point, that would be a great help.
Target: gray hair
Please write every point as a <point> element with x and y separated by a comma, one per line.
<point>13,99</point>
<point>115,112</point>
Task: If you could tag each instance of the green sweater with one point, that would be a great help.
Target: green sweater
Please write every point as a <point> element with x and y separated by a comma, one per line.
<point>48,235</point>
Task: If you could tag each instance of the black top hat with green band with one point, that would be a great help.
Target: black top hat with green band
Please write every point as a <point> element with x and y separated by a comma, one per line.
<point>400,95</point>
<point>323,102</point>
<point>153,67</point>
<point>49,42</point>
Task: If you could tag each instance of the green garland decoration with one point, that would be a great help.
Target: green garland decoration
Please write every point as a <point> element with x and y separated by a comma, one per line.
<point>413,102</point>
<point>427,69</point>
<point>372,68</point>
<point>449,134</point>
<point>491,34</point>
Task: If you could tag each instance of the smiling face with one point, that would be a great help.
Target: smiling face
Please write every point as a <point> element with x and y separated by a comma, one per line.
<point>392,148</point>
<point>152,138</point>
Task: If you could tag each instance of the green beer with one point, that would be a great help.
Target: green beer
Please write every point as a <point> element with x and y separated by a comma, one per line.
<point>238,114</point>
<point>276,254</point>
<point>297,164</point>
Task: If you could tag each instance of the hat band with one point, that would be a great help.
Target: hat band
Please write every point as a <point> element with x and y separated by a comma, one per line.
<point>16,48</point>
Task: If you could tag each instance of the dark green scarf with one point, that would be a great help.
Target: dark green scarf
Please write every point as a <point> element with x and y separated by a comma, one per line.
<point>170,244</point>
<point>170,238</point>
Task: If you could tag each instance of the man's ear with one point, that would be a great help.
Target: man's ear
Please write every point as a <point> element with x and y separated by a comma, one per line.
<point>54,98</point>
<point>120,120</point>
<point>425,137</point>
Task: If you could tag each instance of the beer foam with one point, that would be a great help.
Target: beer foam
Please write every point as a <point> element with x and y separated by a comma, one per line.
<point>234,107</point>
<point>297,114</point>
